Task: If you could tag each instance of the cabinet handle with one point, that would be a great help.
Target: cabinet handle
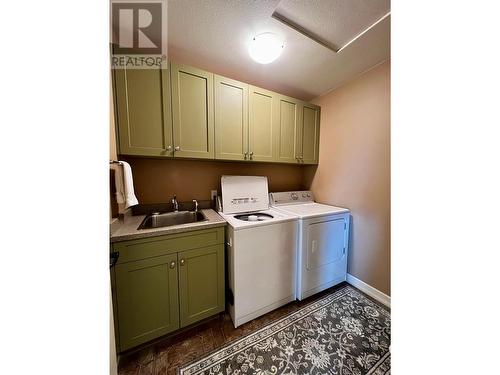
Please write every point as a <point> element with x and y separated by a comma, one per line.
<point>177,148</point>
<point>251,155</point>
<point>182,262</point>
<point>169,148</point>
<point>172,264</point>
<point>245,155</point>
<point>113,258</point>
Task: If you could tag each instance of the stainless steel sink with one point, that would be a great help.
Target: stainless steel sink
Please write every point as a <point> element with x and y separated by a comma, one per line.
<point>167,219</point>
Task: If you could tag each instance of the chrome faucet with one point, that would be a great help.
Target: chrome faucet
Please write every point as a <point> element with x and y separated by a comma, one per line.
<point>195,205</point>
<point>175,203</point>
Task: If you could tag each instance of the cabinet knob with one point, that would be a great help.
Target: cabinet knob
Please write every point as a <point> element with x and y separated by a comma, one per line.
<point>251,155</point>
<point>245,155</point>
<point>172,264</point>
<point>177,148</point>
<point>182,262</point>
<point>169,148</point>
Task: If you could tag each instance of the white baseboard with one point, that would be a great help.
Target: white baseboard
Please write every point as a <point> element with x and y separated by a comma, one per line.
<point>368,289</point>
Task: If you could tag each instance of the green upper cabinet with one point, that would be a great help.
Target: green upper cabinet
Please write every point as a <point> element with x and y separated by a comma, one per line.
<point>201,283</point>
<point>193,112</point>
<point>143,113</point>
<point>298,138</point>
<point>263,125</point>
<point>310,133</point>
<point>290,130</point>
<point>190,113</point>
<point>231,119</point>
<point>147,299</point>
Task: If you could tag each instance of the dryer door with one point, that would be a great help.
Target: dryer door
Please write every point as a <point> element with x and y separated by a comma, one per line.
<point>324,254</point>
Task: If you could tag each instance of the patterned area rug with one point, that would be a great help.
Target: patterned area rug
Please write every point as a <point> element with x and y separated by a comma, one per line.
<point>343,333</point>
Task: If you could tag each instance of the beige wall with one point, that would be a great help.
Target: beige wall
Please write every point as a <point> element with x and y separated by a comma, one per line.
<point>354,169</point>
<point>156,180</point>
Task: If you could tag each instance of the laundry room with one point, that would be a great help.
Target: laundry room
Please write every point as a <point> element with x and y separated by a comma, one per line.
<point>249,187</point>
<point>265,182</point>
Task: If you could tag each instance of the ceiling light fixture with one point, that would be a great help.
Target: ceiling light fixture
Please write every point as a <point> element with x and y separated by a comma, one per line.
<point>265,48</point>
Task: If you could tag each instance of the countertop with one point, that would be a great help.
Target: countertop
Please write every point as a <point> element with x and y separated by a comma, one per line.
<point>126,229</point>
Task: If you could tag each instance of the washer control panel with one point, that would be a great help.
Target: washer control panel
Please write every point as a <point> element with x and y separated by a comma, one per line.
<point>290,197</point>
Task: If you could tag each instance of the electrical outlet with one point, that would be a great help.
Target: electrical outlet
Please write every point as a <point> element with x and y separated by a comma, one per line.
<point>213,194</point>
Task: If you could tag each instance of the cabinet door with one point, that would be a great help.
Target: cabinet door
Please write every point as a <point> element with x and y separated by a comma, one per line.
<point>231,119</point>
<point>143,112</point>
<point>262,128</point>
<point>290,130</point>
<point>193,112</point>
<point>310,133</point>
<point>201,283</point>
<point>147,299</point>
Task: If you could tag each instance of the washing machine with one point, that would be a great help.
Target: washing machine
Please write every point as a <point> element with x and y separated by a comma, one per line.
<point>322,242</point>
<point>261,245</point>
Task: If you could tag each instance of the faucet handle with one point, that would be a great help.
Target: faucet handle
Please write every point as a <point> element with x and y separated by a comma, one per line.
<point>195,205</point>
<point>175,203</point>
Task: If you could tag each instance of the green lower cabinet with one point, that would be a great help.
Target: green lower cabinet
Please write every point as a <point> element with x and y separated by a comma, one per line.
<point>201,283</point>
<point>147,299</point>
<point>164,283</point>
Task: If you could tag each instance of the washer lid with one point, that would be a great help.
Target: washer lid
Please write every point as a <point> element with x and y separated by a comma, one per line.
<point>244,194</point>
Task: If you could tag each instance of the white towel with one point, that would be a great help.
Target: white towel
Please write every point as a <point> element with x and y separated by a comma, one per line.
<point>120,197</point>
<point>124,185</point>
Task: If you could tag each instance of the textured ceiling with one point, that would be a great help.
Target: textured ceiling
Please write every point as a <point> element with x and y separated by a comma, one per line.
<point>214,35</point>
<point>336,22</point>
